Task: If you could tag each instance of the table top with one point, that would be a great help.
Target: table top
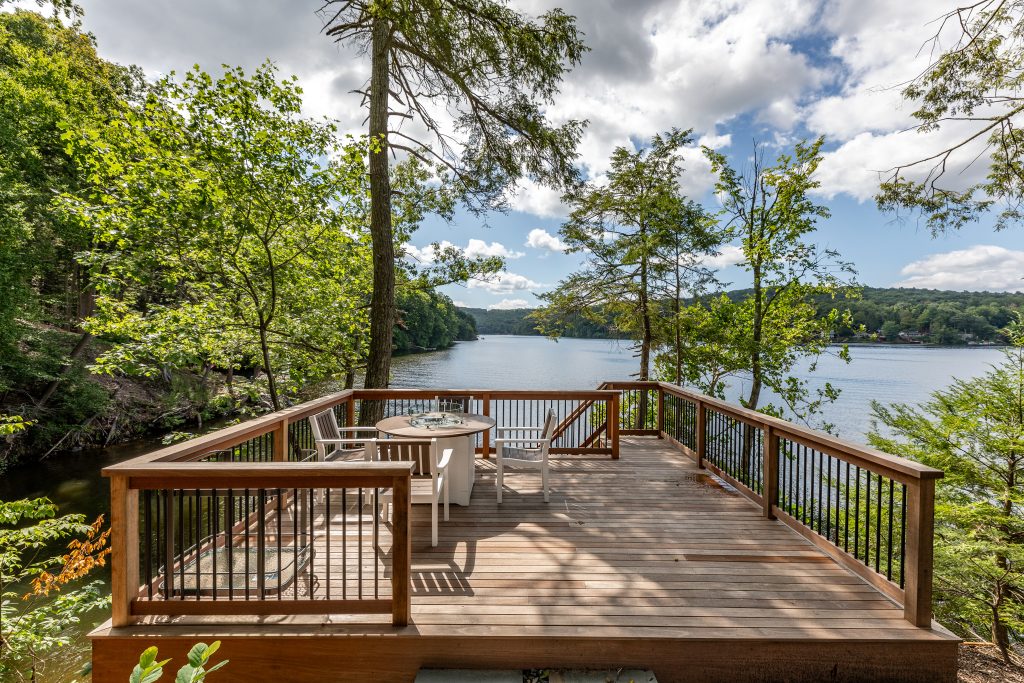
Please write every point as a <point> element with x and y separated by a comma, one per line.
<point>399,426</point>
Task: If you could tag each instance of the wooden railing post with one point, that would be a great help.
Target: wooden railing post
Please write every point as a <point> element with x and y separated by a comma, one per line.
<point>613,424</point>
<point>661,413</point>
<point>486,449</point>
<point>702,433</point>
<point>280,440</point>
<point>769,471</point>
<point>401,554</point>
<point>124,556</point>
<point>350,412</point>
<point>917,569</point>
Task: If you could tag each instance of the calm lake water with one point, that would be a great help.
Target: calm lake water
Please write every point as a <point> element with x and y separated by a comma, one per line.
<point>885,373</point>
<point>890,374</point>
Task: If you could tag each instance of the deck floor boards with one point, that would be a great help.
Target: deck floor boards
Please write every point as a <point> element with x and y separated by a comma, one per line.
<point>647,543</point>
<point>645,560</point>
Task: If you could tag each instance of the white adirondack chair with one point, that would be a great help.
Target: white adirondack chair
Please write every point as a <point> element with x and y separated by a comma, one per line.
<point>339,443</point>
<point>430,474</point>
<point>522,453</point>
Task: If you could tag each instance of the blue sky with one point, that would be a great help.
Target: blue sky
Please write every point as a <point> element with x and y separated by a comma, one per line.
<point>733,70</point>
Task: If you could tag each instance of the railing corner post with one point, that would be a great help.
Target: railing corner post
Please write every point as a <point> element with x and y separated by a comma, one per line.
<point>661,412</point>
<point>124,543</point>
<point>613,424</point>
<point>350,412</point>
<point>485,449</point>
<point>401,559</point>
<point>770,472</point>
<point>919,556</point>
<point>280,440</point>
<point>702,433</point>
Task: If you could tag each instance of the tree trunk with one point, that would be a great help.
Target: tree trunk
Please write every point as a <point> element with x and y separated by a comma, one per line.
<point>645,347</point>
<point>1000,634</point>
<point>382,301</point>
<point>271,381</point>
<point>76,353</point>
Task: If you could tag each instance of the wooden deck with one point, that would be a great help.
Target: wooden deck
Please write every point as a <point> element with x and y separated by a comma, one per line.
<point>640,562</point>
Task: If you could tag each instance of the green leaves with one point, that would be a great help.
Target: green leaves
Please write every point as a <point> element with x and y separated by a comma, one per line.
<point>32,628</point>
<point>974,431</point>
<point>973,84</point>
<point>229,230</point>
<point>149,669</point>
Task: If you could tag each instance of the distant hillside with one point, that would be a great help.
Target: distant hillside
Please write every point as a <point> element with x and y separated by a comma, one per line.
<point>514,321</point>
<point>886,314</point>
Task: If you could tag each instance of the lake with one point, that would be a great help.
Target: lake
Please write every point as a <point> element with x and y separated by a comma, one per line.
<point>890,374</point>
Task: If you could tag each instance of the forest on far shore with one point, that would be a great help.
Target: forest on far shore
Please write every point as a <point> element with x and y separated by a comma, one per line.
<point>882,314</point>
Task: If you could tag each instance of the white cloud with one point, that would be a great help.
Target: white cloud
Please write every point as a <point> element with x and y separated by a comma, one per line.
<point>728,255</point>
<point>538,200</point>
<point>979,268</point>
<point>715,141</point>
<point>509,304</point>
<point>504,283</point>
<point>460,303</point>
<point>479,248</point>
<point>427,254</point>
<point>542,239</point>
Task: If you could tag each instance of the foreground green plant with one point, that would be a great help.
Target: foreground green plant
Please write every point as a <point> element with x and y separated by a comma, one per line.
<point>36,625</point>
<point>149,669</point>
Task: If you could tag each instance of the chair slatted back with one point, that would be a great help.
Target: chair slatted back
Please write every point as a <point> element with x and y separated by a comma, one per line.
<point>453,404</point>
<point>324,425</point>
<point>549,424</point>
<point>405,450</point>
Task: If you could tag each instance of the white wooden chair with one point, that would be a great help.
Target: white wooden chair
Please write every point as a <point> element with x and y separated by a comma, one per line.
<point>520,452</point>
<point>339,443</point>
<point>430,474</point>
<point>452,404</point>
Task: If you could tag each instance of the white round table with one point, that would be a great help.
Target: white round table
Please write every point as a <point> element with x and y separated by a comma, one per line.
<point>459,438</point>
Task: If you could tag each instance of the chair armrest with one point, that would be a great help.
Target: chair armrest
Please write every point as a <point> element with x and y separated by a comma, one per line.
<point>446,456</point>
<point>502,430</point>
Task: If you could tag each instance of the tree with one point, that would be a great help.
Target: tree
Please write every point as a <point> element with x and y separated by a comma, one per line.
<point>493,66</point>
<point>973,87</point>
<point>682,275</point>
<point>630,227</point>
<point>974,431</point>
<point>227,231</point>
<point>770,210</point>
<point>51,80</point>
<point>891,330</point>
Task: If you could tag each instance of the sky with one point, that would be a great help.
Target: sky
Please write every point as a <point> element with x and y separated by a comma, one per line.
<point>735,71</point>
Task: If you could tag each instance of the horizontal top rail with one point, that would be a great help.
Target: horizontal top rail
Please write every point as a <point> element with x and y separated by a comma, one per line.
<point>243,474</point>
<point>900,469</point>
<point>379,394</point>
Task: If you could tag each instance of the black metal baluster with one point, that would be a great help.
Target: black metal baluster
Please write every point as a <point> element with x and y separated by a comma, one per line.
<point>215,521</point>
<point>359,548</point>
<point>295,544</point>
<point>846,510</point>
<point>867,520</point>
<point>903,530</point>
<point>888,560</point>
<point>247,501</point>
<point>878,525</point>
<point>344,545</point>
<point>261,546</point>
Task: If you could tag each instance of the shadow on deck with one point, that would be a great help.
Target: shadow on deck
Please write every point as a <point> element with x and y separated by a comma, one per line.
<point>642,562</point>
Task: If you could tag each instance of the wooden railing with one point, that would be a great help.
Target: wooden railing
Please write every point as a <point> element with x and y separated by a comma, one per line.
<point>870,511</point>
<point>239,521</point>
